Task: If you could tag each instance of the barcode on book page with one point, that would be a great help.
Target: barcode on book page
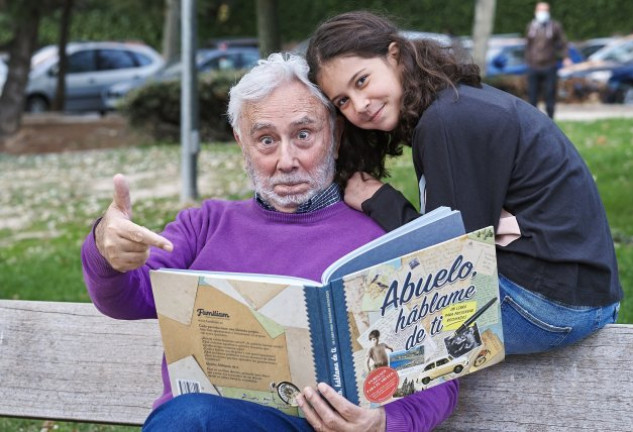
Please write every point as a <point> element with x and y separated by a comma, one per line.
<point>187,386</point>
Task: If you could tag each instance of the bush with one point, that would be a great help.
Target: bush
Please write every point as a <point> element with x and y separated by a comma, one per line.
<point>155,108</point>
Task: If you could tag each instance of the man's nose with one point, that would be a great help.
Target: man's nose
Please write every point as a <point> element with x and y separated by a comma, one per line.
<point>287,156</point>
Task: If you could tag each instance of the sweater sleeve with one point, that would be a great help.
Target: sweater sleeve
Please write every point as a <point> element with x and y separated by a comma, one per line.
<point>129,295</point>
<point>389,208</point>
<point>115,294</point>
<point>422,411</point>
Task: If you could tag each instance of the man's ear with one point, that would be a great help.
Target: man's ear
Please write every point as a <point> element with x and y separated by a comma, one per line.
<point>338,133</point>
<point>237,139</point>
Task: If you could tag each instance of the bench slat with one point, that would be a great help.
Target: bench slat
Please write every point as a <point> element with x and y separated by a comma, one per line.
<point>67,361</point>
<point>584,387</point>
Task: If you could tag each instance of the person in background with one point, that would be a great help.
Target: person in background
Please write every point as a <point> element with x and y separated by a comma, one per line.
<point>296,224</point>
<point>546,47</point>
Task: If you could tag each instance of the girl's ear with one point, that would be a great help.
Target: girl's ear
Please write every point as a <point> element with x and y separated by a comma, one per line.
<point>393,52</point>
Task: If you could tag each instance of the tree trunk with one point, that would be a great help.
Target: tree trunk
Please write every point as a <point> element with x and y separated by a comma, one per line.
<point>22,46</point>
<point>171,31</point>
<point>64,28</point>
<point>482,29</point>
<point>268,27</point>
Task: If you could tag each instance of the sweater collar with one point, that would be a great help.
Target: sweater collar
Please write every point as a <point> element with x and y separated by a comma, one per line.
<point>328,196</point>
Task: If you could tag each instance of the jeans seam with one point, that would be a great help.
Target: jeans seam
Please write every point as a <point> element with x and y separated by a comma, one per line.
<point>534,320</point>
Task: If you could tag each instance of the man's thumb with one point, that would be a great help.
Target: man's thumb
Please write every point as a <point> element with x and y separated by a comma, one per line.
<point>122,195</point>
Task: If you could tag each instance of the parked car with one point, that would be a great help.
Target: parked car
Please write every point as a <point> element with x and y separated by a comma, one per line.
<point>620,85</point>
<point>606,75</point>
<point>92,67</point>
<point>231,58</point>
<point>507,57</point>
<point>441,38</point>
<point>590,46</point>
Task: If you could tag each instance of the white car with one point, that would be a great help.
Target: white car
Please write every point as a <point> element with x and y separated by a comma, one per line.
<point>92,67</point>
<point>441,367</point>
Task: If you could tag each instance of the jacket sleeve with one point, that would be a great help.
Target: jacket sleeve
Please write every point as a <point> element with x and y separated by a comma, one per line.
<point>423,411</point>
<point>389,208</point>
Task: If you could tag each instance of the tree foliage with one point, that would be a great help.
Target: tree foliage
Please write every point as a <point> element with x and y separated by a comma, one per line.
<point>143,19</point>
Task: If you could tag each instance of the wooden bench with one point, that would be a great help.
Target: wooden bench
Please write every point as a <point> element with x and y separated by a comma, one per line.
<point>66,361</point>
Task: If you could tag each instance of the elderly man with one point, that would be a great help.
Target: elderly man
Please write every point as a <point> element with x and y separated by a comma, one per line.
<point>296,225</point>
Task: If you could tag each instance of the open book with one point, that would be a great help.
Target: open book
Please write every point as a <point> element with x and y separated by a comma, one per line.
<point>409,310</point>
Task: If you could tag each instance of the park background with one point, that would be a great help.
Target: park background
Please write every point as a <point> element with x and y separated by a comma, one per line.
<point>49,201</point>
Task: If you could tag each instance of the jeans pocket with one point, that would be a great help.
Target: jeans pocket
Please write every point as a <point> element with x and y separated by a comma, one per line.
<point>524,333</point>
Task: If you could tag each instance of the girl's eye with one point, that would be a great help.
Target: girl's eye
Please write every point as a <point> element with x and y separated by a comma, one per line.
<point>341,102</point>
<point>361,81</point>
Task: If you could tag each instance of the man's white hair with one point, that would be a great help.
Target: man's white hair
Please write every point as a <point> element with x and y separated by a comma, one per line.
<point>278,69</point>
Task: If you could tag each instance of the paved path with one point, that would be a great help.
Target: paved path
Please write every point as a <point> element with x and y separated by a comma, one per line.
<point>586,112</point>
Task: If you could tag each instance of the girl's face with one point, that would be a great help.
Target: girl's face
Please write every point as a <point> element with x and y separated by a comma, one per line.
<point>367,91</point>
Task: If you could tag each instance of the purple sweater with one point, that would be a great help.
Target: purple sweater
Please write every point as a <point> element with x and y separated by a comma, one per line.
<point>241,236</point>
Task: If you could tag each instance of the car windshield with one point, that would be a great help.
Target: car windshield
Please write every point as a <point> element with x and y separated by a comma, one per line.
<point>619,52</point>
<point>43,54</point>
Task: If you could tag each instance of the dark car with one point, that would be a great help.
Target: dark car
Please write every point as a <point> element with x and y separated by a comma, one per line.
<point>620,85</point>
<point>507,57</point>
<point>231,58</point>
<point>606,75</point>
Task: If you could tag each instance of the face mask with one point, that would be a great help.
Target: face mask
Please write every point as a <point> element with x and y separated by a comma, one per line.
<point>542,16</point>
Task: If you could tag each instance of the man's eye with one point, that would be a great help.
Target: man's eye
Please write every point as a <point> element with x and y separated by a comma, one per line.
<point>304,135</point>
<point>266,140</point>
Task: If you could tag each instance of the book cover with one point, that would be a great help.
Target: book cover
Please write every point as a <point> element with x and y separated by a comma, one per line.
<point>419,320</point>
<point>400,321</point>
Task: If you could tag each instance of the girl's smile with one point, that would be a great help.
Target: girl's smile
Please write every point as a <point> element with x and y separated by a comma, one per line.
<point>367,91</point>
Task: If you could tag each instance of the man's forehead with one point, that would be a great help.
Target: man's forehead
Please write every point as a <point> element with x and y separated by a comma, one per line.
<point>286,105</point>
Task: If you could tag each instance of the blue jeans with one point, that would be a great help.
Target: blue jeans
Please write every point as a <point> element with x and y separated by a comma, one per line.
<point>197,412</point>
<point>533,323</point>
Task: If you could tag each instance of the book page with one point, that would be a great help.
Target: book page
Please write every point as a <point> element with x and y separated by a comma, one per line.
<point>251,341</point>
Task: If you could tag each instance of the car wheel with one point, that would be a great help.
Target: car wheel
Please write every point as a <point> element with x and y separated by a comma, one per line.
<point>36,104</point>
<point>458,368</point>
<point>426,380</point>
<point>627,95</point>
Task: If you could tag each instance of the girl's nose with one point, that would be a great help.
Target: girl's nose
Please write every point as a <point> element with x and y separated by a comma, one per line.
<point>360,104</point>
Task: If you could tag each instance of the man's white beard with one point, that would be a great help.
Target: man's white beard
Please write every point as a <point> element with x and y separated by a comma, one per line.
<point>318,180</point>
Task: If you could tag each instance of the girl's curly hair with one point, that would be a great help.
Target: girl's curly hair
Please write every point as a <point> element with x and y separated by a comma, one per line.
<point>427,68</point>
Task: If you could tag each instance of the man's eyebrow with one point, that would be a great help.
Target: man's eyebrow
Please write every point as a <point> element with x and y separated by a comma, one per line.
<point>305,120</point>
<point>260,126</point>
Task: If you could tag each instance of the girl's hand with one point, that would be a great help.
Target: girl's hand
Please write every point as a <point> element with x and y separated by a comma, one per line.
<point>328,411</point>
<point>360,187</point>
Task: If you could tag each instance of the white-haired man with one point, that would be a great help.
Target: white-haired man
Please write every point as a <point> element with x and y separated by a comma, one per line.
<point>297,224</point>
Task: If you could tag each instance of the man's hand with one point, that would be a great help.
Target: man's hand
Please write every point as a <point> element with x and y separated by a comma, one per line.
<point>327,410</point>
<point>360,187</point>
<point>122,243</point>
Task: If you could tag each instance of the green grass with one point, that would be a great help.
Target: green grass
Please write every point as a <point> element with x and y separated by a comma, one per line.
<point>39,260</point>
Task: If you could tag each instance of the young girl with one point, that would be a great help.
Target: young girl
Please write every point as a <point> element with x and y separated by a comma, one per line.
<point>492,156</point>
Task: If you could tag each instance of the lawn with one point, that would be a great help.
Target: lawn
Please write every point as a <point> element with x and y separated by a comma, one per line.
<point>48,203</point>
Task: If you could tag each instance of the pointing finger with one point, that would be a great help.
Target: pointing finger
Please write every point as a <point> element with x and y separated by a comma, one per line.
<point>142,235</point>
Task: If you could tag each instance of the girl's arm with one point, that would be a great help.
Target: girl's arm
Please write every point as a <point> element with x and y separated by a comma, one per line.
<point>389,208</point>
